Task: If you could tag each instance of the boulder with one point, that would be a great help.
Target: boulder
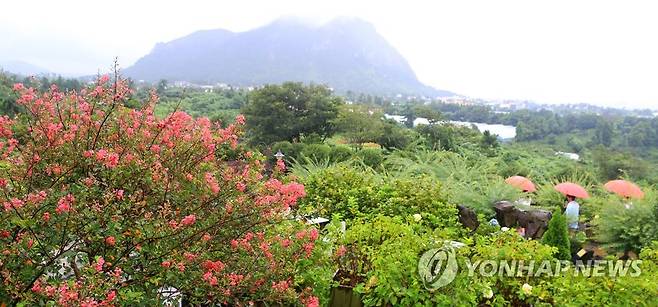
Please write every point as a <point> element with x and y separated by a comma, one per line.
<point>535,221</point>
<point>505,213</point>
<point>468,218</point>
<point>591,251</point>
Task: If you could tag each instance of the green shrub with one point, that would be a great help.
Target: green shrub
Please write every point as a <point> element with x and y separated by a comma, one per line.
<point>468,180</point>
<point>340,153</point>
<point>353,193</point>
<point>340,190</point>
<point>372,157</point>
<point>317,152</point>
<point>419,195</point>
<point>627,229</point>
<point>482,194</point>
<point>389,249</point>
<point>396,136</point>
<point>547,196</point>
<point>313,151</point>
<point>386,250</point>
<point>557,235</point>
<point>570,289</point>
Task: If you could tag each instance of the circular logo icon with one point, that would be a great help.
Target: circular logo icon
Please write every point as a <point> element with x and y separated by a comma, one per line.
<point>437,267</point>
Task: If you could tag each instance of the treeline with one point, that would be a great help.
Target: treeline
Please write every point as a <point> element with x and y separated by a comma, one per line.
<point>8,97</point>
<point>294,112</point>
<point>570,130</point>
<point>219,105</point>
<point>573,130</point>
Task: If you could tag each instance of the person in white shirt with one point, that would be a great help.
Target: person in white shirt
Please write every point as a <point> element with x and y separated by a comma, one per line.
<point>525,199</point>
<point>571,212</point>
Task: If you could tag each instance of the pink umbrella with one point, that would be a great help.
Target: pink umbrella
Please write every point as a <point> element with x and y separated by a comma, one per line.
<point>624,188</point>
<point>570,188</point>
<point>522,183</point>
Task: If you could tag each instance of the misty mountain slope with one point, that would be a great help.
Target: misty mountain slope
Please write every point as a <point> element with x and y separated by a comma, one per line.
<point>22,68</point>
<point>346,53</point>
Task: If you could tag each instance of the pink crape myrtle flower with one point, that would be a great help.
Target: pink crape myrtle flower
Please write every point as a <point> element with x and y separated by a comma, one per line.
<point>188,220</point>
<point>153,195</point>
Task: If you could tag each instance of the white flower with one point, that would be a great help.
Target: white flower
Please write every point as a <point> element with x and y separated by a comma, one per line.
<point>417,217</point>
<point>505,229</point>
<point>487,293</point>
<point>526,288</point>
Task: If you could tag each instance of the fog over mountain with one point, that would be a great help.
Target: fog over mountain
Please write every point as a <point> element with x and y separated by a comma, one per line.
<point>345,53</point>
<point>22,68</point>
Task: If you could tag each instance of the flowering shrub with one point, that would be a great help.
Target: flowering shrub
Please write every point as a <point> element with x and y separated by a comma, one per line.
<point>105,205</point>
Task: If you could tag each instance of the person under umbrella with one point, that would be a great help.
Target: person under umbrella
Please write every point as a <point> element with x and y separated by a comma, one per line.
<point>572,211</point>
<point>572,208</point>
<point>525,185</point>
<point>625,189</point>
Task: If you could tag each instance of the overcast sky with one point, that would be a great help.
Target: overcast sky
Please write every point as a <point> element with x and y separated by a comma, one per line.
<point>603,52</point>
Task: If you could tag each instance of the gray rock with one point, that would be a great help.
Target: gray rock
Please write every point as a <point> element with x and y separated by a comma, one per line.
<point>535,221</point>
<point>468,218</point>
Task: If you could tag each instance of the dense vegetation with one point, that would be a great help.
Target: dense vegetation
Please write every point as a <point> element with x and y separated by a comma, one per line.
<point>112,195</point>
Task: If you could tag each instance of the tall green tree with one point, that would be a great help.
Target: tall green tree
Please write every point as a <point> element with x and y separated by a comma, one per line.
<point>288,111</point>
<point>409,113</point>
<point>557,235</point>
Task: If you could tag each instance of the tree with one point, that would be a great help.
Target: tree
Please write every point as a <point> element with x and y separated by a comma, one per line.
<point>489,140</point>
<point>359,124</point>
<point>105,205</point>
<point>524,132</point>
<point>395,136</point>
<point>603,133</point>
<point>432,115</point>
<point>285,112</point>
<point>613,164</point>
<point>446,136</point>
<point>557,235</point>
<point>8,104</point>
<point>640,135</point>
<point>162,86</point>
<point>409,115</point>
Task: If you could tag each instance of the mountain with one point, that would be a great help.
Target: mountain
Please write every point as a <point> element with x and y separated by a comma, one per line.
<point>22,68</point>
<point>345,53</point>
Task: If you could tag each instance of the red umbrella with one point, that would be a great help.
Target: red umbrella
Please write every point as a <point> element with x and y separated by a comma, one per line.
<point>570,188</point>
<point>522,183</point>
<point>624,188</point>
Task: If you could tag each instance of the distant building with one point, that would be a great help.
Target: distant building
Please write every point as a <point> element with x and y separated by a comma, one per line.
<point>568,155</point>
<point>398,118</point>
<point>207,88</point>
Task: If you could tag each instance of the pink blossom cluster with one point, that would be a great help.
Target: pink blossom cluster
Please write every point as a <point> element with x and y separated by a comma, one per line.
<point>154,195</point>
